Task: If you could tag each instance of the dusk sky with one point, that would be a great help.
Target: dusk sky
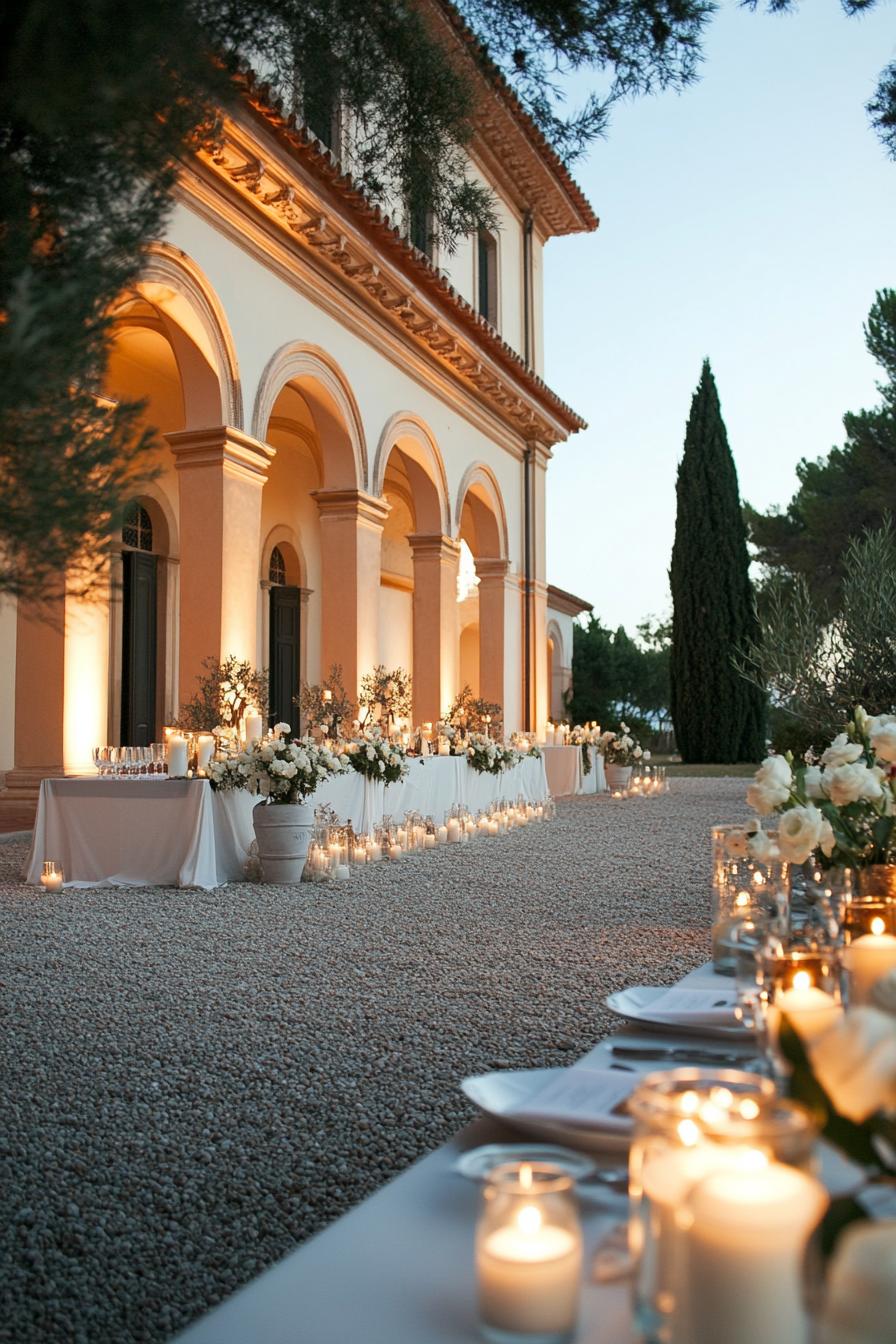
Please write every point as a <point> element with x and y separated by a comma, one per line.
<point>750,219</point>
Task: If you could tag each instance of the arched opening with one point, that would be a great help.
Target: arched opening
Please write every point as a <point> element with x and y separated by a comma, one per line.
<point>483,597</point>
<point>556,681</point>
<point>284,638</point>
<point>418,567</point>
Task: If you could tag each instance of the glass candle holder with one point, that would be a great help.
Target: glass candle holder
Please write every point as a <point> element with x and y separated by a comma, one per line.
<point>869,936</point>
<point>528,1255</point>
<point>801,978</point>
<point>688,1123</point>
<point>818,898</point>
<point>743,888</point>
<point>52,875</point>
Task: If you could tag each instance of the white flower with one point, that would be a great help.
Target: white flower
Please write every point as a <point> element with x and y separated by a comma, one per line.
<point>771,786</point>
<point>799,833</point>
<point>848,783</point>
<point>381,766</point>
<point>762,847</point>
<point>827,841</point>
<point>841,752</point>
<point>883,740</point>
<point>813,782</point>
<point>855,1062</point>
<point>266,752</point>
<point>637,753</point>
<point>281,729</point>
<point>371,754</point>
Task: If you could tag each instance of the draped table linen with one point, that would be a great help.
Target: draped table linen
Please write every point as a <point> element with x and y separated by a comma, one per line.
<point>563,767</point>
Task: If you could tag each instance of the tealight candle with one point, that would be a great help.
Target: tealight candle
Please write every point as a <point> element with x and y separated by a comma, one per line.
<point>51,877</point>
<point>745,1255</point>
<point>867,959</point>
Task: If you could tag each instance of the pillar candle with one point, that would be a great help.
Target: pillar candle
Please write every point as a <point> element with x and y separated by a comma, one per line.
<point>549,735</point>
<point>51,881</point>
<point>493,828</point>
<point>176,753</point>
<point>442,835</point>
<point>395,851</point>
<point>469,827</point>
<point>745,1255</point>
<point>444,749</point>
<point>483,825</point>
<point>205,750</point>
<point>867,959</point>
<point>374,851</point>
<point>253,726</point>
<point>810,1010</point>
<point>429,840</point>
<point>402,837</point>
<point>453,829</point>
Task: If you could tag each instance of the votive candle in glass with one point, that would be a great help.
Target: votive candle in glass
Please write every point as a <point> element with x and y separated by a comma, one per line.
<point>52,876</point>
<point>528,1255</point>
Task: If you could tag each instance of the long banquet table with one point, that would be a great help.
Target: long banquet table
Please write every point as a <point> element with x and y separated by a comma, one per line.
<point>398,1268</point>
<point>179,832</point>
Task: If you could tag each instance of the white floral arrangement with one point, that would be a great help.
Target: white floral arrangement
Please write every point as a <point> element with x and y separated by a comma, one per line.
<point>523,747</point>
<point>840,808</point>
<point>284,771</point>
<point>227,773</point>
<point>375,757</point>
<point>621,748</point>
<point>488,756</point>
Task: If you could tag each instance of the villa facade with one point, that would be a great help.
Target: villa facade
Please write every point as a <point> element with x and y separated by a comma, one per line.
<point>349,423</point>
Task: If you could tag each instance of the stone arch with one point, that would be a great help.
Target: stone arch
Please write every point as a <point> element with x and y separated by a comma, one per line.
<point>164,522</point>
<point>331,402</point>
<point>426,470</point>
<point>288,542</point>
<point>480,487</point>
<point>178,288</point>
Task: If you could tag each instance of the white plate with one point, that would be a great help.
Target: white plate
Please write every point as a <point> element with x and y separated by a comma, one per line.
<point>634,1004</point>
<point>478,1162</point>
<point>497,1094</point>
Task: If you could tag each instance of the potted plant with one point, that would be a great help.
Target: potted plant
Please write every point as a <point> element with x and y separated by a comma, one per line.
<point>285,773</point>
<point>620,752</point>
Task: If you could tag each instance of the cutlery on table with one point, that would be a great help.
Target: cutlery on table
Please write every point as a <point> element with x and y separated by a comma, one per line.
<point>683,1054</point>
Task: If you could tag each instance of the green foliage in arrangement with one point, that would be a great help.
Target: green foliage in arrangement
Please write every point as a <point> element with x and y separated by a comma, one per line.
<point>223,694</point>
<point>718,715</point>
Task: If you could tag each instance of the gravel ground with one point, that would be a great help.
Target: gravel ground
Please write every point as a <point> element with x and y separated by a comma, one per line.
<point>196,1081</point>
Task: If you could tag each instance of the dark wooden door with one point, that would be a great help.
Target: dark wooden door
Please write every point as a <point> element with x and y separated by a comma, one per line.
<point>284,659</point>
<point>138,661</point>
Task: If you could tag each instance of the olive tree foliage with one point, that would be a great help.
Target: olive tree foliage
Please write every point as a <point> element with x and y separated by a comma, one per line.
<point>101,100</point>
<point>817,669</point>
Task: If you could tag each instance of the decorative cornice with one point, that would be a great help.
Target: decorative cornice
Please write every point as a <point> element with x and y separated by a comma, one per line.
<point>329,220</point>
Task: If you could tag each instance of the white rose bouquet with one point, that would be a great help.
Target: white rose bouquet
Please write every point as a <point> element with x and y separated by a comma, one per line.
<point>488,756</point>
<point>621,748</point>
<point>375,757</point>
<point>840,808</point>
<point>286,771</point>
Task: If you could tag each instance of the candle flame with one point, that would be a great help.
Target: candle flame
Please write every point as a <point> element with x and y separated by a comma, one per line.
<point>528,1220</point>
<point>748,1109</point>
<point>742,899</point>
<point>758,879</point>
<point>722,1096</point>
<point>689,1133</point>
<point>802,980</point>
<point>688,1102</point>
<point>526,1176</point>
<point>877,925</point>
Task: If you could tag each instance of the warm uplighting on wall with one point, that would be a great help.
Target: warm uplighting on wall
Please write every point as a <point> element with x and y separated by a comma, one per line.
<point>467,579</point>
<point>86,681</point>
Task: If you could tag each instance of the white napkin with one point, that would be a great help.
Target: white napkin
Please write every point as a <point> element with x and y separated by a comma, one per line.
<point>587,1097</point>
<point>693,1008</point>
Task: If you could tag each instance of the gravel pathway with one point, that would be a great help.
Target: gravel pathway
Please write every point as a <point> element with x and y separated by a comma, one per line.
<point>196,1081</point>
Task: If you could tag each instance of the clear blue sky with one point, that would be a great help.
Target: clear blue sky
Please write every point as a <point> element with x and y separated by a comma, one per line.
<point>750,219</point>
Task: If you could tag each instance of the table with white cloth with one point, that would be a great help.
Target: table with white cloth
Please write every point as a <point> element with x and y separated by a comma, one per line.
<point>596,780</point>
<point>132,832</point>
<point>180,832</point>
<point>399,1268</point>
<point>563,767</point>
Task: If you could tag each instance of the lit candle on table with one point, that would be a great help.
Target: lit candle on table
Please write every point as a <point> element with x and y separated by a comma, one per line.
<point>528,1268</point>
<point>205,750</point>
<point>444,747</point>
<point>745,1255</point>
<point>810,1010</point>
<point>868,958</point>
<point>253,726</point>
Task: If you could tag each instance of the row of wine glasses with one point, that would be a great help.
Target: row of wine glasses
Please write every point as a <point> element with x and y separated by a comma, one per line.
<point>130,762</point>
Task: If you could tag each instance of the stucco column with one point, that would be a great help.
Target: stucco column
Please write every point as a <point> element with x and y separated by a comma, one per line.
<point>40,695</point>
<point>351,534</point>
<point>436,560</point>
<point>492,575</point>
<point>221,474</point>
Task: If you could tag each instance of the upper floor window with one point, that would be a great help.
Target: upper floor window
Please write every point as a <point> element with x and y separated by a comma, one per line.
<point>487,276</point>
<point>277,567</point>
<point>137,530</point>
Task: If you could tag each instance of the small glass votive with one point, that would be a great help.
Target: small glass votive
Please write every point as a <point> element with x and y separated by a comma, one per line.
<point>528,1255</point>
<point>800,978</point>
<point>869,936</point>
<point>52,876</point>
<point>743,888</point>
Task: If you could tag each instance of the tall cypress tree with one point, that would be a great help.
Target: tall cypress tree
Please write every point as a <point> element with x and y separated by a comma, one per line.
<point>718,716</point>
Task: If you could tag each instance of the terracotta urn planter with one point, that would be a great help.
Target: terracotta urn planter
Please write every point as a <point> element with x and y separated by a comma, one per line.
<point>283,833</point>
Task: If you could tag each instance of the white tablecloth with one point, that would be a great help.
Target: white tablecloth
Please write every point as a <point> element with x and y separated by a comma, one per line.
<point>178,832</point>
<point>596,781</point>
<point>125,833</point>
<point>563,767</point>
